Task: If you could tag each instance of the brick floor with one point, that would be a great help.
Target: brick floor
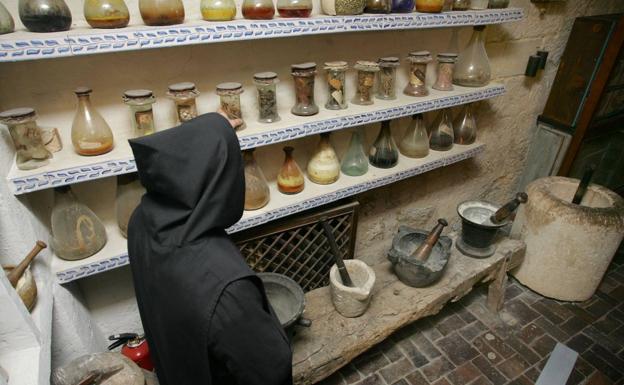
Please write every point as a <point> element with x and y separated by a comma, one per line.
<point>467,345</point>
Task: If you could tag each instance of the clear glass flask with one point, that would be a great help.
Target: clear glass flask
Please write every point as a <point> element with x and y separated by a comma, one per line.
<point>403,6</point>
<point>446,65</point>
<point>45,15</point>
<point>129,194</point>
<point>267,96</point>
<point>303,75</point>
<point>355,161</point>
<point>461,5</point>
<point>290,178</point>
<point>184,95</point>
<point>336,99</point>
<point>106,13</point>
<point>162,12</point>
<point>479,4</point>
<point>324,166</point>
<point>218,10</point>
<point>415,142</point>
<point>378,6</point>
<point>366,71</point>
<point>417,85</point>
<point>294,8</point>
<point>441,135</point>
<point>258,9</point>
<point>90,133</point>
<point>465,126</point>
<point>473,66</point>
<point>429,6</point>
<point>140,103</point>
<point>498,3</point>
<point>229,94</point>
<point>7,24</point>
<point>386,78</point>
<point>257,192</point>
<point>30,152</point>
<point>384,152</point>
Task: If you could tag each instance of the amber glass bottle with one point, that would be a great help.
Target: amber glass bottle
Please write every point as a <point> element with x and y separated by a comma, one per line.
<point>290,178</point>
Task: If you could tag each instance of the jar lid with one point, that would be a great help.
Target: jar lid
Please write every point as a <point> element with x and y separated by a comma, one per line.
<point>229,88</point>
<point>336,65</point>
<point>388,61</point>
<point>83,90</point>
<point>138,94</point>
<point>419,56</point>
<point>447,57</point>
<point>265,76</point>
<point>419,53</point>
<point>17,113</point>
<point>366,65</point>
<point>183,86</point>
<point>303,66</point>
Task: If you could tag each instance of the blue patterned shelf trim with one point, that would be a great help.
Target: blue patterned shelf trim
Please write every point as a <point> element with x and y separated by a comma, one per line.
<point>92,41</point>
<point>127,165</point>
<point>89,269</point>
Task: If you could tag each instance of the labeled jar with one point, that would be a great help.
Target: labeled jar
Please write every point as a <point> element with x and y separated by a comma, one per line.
<point>30,153</point>
<point>294,8</point>
<point>303,75</point>
<point>90,133</point>
<point>258,9</point>
<point>184,95</point>
<point>230,100</point>
<point>337,98</point>
<point>140,103</point>
<point>218,10</point>
<point>365,82</point>
<point>446,65</point>
<point>45,15</point>
<point>161,12</point>
<point>106,13</point>
<point>378,6</point>
<point>386,78</point>
<point>417,73</point>
<point>429,6</point>
<point>267,96</point>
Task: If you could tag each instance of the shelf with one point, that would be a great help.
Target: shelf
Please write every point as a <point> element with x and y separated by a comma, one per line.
<point>23,45</point>
<point>114,254</point>
<point>68,168</point>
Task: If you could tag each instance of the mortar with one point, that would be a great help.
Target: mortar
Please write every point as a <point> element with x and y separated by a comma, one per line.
<point>352,302</point>
<point>411,271</point>
<point>478,231</point>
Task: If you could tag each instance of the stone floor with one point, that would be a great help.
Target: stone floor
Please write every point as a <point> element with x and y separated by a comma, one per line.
<point>465,344</point>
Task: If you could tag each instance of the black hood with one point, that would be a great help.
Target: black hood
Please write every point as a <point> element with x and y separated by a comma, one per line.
<point>194,179</point>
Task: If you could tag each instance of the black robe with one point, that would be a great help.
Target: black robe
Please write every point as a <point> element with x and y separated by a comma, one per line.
<point>204,312</point>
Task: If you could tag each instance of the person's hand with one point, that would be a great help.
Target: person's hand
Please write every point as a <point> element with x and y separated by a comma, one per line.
<point>233,122</point>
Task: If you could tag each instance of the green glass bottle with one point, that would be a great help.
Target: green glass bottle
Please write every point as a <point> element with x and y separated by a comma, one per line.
<point>355,162</point>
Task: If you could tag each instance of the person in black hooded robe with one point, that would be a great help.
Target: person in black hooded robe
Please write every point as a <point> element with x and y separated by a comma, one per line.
<point>205,313</point>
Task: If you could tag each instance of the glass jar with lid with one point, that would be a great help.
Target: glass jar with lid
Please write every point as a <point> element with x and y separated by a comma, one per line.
<point>429,6</point>
<point>365,81</point>
<point>45,15</point>
<point>162,12</point>
<point>378,6</point>
<point>294,8</point>
<point>184,95</point>
<point>90,133</point>
<point>417,73</point>
<point>218,10</point>
<point>473,66</point>
<point>140,103</point>
<point>303,75</point>
<point>446,64</point>
<point>267,96</point>
<point>230,100</point>
<point>386,79</point>
<point>106,13</point>
<point>258,9</point>
<point>30,152</point>
<point>337,99</point>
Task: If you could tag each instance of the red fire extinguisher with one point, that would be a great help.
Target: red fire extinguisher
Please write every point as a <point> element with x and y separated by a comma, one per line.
<point>134,347</point>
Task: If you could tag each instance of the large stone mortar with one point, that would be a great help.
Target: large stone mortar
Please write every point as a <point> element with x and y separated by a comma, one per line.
<point>349,301</point>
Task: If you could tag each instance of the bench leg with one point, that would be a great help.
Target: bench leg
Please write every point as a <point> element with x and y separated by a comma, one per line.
<point>496,289</point>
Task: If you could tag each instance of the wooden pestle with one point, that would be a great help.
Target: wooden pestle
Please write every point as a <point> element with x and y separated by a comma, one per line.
<point>508,208</point>
<point>582,188</point>
<point>342,269</point>
<point>424,250</point>
<point>15,274</point>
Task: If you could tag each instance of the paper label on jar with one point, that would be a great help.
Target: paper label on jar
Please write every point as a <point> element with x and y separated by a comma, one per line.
<point>144,121</point>
<point>337,95</point>
<point>417,77</point>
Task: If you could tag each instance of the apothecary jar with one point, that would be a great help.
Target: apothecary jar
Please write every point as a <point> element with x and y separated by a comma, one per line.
<point>184,95</point>
<point>258,9</point>
<point>218,10</point>
<point>140,103</point>
<point>366,71</point>
<point>417,85</point>
<point>162,12</point>
<point>294,8</point>
<point>267,96</point>
<point>230,100</point>
<point>343,7</point>
<point>90,133</point>
<point>29,150</point>
<point>106,13</point>
<point>446,66</point>
<point>337,98</point>
<point>303,75</point>
<point>45,15</point>
<point>386,78</point>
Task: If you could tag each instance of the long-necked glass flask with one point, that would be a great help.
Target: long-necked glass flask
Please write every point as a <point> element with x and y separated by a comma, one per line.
<point>384,152</point>
<point>45,15</point>
<point>257,193</point>
<point>473,66</point>
<point>324,167</point>
<point>441,135</point>
<point>415,142</point>
<point>465,126</point>
<point>90,133</point>
<point>355,161</point>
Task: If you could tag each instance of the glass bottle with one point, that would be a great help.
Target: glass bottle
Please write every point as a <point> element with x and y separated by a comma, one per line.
<point>465,126</point>
<point>140,103</point>
<point>258,9</point>
<point>441,135</point>
<point>218,10</point>
<point>303,75</point>
<point>403,6</point>
<point>417,73</point>
<point>106,13</point>
<point>30,152</point>
<point>461,5</point>
<point>324,167</point>
<point>7,24</point>
<point>378,6</point>
<point>386,79</point>
<point>473,66</point>
<point>129,193</point>
<point>446,64</point>
<point>257,193</point>
<point>343,7</point>
<point>90,133</point>
<point>162,12</point>
<point>290,178</point>
<point>355,161</point>
<point>384,152</point>
<point>429,6</point>
<point>45,15</point>
<point>337,98</point>
<point>498,4</point>
<point>184,95</point>
<point>294,8</point>
<point>230,100</point>
<point>415,142</point>
<point>478,4</point>
<point>365,82</point>
<point>267,96</point>
<point>77,233</point>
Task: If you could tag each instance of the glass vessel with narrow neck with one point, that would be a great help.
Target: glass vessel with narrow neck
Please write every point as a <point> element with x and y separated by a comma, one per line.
<point>479,4</point>
<point>415,142</point>
<point>218,10</point>
<point>77,233</point>
<point>384,152</point>
<point>378,6</point>
<point>498,3</point>
<point>45,15</point>
<point>183,95</point>
<point>258,9</point>
<point>473,66</point>
<point>7,24</point>
<point>140,103</point>
<point>90,133</point>
<point>324,167</point>
<point>403,6</point>
<point>429,6</point>
<point>294,8</point>
<point>229,94</point>
<point>337,98</point>
<point>106,13</point>
<point>266,84</point>
<point>461,5</point>
<point>441,135</point>
<point>366,71</point>
<point>417,85</point>
<point>386,78</point>
<point>290,178</point>
<point>162,12</point>
<point>303,75</point>
<point>129,193</point>
<point>30,153</point>
<point>257,193</point>
<point>465,126</point>
<point>355,161</point>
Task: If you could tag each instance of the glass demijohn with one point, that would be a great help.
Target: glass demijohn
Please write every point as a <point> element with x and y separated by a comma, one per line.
<point>90,133</point>
<point>303,75</point>
<point>430,6</point>
<point>290,178</point>
<point>336,99</point>
<point>378,6</point>
<point>294,8</point>
<point>140,103</point>
<point>355,161</point>
<point>384,152</point>
<point>77,233</point>
<point>267,96</point>
<point>386,78</point>
<point>258,9</point>
<point>230,100</point>
<point>324,167</point>
<point>441,135</point>
<point>106,13</point>
<point>45,15</point>
<point>365,82</point>
<point>417,73</point>
<point>162,12</point>
<point>184,95</point>
<point>415,142</point>
<point>30,152</point>
<point>465,126</point>
<point>256,187</point>
<point>7,24</point>
<point>473,66</point>
<point>129,193</point>
<point>218,10</point>
<point>446,64</point>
